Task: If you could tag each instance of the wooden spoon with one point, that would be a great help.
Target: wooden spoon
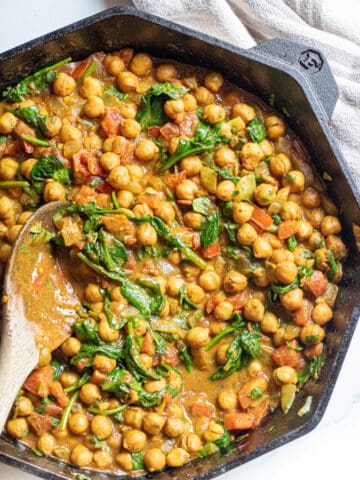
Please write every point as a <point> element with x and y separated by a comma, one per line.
<point>39,305</point>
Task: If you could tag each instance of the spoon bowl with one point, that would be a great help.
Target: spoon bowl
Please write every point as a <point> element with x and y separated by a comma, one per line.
<point>39,304</point>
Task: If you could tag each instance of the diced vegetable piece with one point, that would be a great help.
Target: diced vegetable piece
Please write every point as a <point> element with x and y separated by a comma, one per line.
<point>260,220</point>
<point>280,199</point>
<point>287,397</point>
<point>201,410</point>
<point>57,391</point>
<point>287,229</point>
<point>246,187</point>
<point>39,381</point>
<point>211,251</point>
<point>238,421</point>
<point>208,179</point>
<point>317,283</point>
<point>39,424</point>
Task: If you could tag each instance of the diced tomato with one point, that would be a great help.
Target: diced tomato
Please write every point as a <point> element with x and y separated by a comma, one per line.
<point>171,356</point>
<point>188,125</point>
<point>39,381</point>
<point>39,424</point>
<point>169,131</point>
<point>57,391</point>
<point>238,421</point>
<point>336,245</point>
<point>167,398</point>
<point>185,203</point>
<point>80,68</point>
<point>259,411</point>
<point>211,251</point>
<point>315,350</point>
<point>111,122</point>
<point>317,283</point>
<point>239,300</point>
<point>98,377</point>
<point>196,241</point>
<point>173,180</point>
<point>154,131</point>
<point>27,146</point>
<point>118,224</point>
<point>151,200</point>
<point>130,264</point>
<point>303,314</point>
<point>260,220</point>
<point>287,229</point>
<point>79,244</point>
<point>286,356</point>
<point>87,194</point>
<point>127,155</point>
<point>11,148</point>
<point>213,301</point>
<point>201,410</point>
<point>147,345</point>
<point>53,409</point>
<point>83,363</point>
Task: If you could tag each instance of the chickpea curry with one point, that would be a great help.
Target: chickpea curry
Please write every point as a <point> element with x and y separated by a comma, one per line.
<point>208,249</point>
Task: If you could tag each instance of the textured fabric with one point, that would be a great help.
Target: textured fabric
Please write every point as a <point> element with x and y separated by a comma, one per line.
<point>332,26</point>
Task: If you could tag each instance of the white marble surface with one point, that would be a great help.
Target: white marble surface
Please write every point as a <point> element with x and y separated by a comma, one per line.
<point>332,448</point>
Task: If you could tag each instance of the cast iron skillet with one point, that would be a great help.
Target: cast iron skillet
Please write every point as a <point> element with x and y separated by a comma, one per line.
<point>304,88</point>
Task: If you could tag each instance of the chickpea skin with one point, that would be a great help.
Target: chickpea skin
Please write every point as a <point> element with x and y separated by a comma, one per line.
<point>262,248</point>
<point>223,311</point>
<point>134,440</point>
<point>192,165</point>
<point>127,82</point>
<point>295,180</point>
<point>174,427</point>
<point>166,72</point>
<point>146,234</point>
<point>251,155</point>
<point>225,157</point>
<point>46,443</point>
<point>209,280</point>
<point>81,456</point>
<point>286,272</point>
<point>78,423</point>
<point>227,400</point>
<point>214,81</point>
<point>264,194</point>
<point>8,122</point>
<point>8,168</point>
<point>204,96</point>
<point>254,310</point>
<point>225,190</point>
<point>101,426</point>
<point>177,457</point>
<point>246,234</point>
<point>114,65</point>
<point>197,337</point>
<point>234,282</point>
<point>153,423</point>
<point>242,212</point>
<point>64,85</point>
<point>321,313</point>
<point>214,113</point>
<point>125,461</point>
<point>243,110</point>
<point>186,190</point>
<point>146,150</point>
<point>154,460</point>
<point>330,225</point>
<point>109,160</point>
<point>89,393</point>
<point>141,64</point>
<point>285,375</point>
<point>24,406</point>
<point>292,300</point>
<point>279,165</point>
<point>53,191</point>
<point>275,126</point>
<point>119,177</point>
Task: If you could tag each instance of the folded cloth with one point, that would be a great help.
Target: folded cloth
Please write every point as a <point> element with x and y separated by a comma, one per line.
<point>329,25</point>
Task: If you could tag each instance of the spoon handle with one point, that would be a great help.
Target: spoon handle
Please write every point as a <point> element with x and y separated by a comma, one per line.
<point>18,355</point>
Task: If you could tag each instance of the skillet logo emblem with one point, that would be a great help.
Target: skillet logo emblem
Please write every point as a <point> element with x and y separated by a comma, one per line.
<point>311,61</point>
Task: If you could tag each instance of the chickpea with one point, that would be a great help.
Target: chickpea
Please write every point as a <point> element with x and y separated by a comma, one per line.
<point>310,198</point>
<point>192,165</point>
<point>190,103</point>
<point>275,126</point>
<point>152,386</point>
<point>174,410</point>
<point>209,280</point>
<point>8,122</point>
<point>174,286</point>
<point>246,234</point>
<point>146,234</point>
<point>262,248</point>
<point>146,360</point>
<point>146,150</point>
<point>140,327</point>
<point>125,198</point>
<point>225,190</point>
<point>279,165</point>
<point>53,191</point>
<point>304,230</point>
<point>295,180</point>
<point>114,65</point>
<point>64,85</point>
<point>24,406</point>
<point>214,432</point>
<point>254,310</point>
<point>153,423</point>
<point>68,378</point>
<point>133,416</point>
<point>104,364</point>
<point>242,212</point>
<point>26,167</point>
<point>93,294</point>
<point>177,457</point>
<point>285,375</point>
<point>134,440</point>
<point>127,82</point>
<point>89,393</point>
<point>174,427</point>
<point>128,110</point>
<point>8,168</point>
<point>186,190</point>
<point>316,217</point>
<point>101,426</point>
<point>197,337</point>
<point>68,132</point>
<point>243,110</point>
<point>321,313</point>
<point>24,217</point>
<point>227,400</point>
<point>119,177</point>
<point>166,72</point>
<point>292,300</point>
<point>214,113</point>
<point>130,128</point>
<point>225,157</point>
<point>223,311</point>
<point>46,443</point>
<point>251,155</point>
<point>141,64</point>
<point>267,147</point>
<point>154,460</point>
<point>125,461</point>
<point>53,125</point>
<point>5,251</point>
<point>166,212</point>
<point>234,282</point>
<point>94,107</point>
<point>195,293</point>
<point>264,194</point>
<point>13,233</point>
<point>44,356</point>
<point>214,81</point>
<point>71,346</point>
<point>109,160</point>
<point>18,427</point>
<point>286,272</point>
<point>330,225</point>
<point>312,333</point>
<point>78,423</point>
<point>290,211</point>
<point>204,96</point>
<point>255,368</point>
<point>193,219</point>
<point>269,323</point>
<point>81,456</point>
<point>136,172</point>
<point>236,125</point>
<point>174,109</point>
<point>102,459</point>
<point>221,354</point>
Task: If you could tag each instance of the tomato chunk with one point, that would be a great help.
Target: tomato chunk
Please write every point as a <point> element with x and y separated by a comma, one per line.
<point>39,381</point>
<point>317,283</point>
<point>201,410</point>
<point>238,421</point>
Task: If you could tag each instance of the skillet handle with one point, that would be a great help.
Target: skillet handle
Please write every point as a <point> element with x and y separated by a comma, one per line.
<point>310,63</point>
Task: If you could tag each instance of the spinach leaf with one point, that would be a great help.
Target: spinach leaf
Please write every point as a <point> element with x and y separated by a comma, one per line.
<point>137,458</point>
<point>206,138</point>
<point>226,174</point>
<point>115,351</point>
<point>256,130</point>
<point>312,369</point>
<point>256,393</point>
<point>202,205</point>
<point>280,288</point>
<point>137,296</point>
<point>332,262</point>
<point>251,340</point>
<point>32,116</point>
<point>49,166</point>
<point>132,357</point>
<point>39,234</point>
<point>185,301</point>
<point>58,369</point>
<point>185,356</point>
<point>237,321</point>
<point>225,440</point>
<point>86,332</point>
<point>157,301</point>
<point>210,233</point>
<point>292,243</point>
<point>88,71</point>
<point>114,92</point>
<point>85,377</point>
<point>33,84</point>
